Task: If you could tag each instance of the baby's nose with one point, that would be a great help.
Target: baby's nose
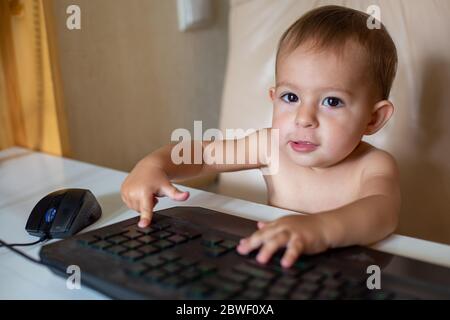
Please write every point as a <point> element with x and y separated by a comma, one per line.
<point>306,117</point>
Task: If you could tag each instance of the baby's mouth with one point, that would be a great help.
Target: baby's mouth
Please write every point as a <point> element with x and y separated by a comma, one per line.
<point>303,146</point>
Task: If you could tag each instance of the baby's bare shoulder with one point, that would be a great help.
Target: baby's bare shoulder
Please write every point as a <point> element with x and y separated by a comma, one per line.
<point>374,161</point>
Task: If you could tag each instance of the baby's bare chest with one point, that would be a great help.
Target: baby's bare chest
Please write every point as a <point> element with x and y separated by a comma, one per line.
<point>310,192</point>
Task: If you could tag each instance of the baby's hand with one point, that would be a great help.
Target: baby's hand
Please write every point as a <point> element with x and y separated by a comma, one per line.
<point>143,185</point>
<point>298,233</point>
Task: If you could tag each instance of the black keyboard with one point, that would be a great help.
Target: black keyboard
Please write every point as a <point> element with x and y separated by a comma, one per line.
<point>176,258</point>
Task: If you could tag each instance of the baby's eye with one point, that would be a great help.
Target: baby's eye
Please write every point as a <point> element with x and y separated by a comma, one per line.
<point>289,97</point>
<point>332,102</point>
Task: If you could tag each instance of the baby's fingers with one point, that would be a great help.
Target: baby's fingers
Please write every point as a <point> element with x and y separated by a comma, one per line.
<point>173,193</point>
<point>271,246</point>
<point>293,251</point>
<point>146,210</point>
<point>256,240</point>
<point>261,224</point>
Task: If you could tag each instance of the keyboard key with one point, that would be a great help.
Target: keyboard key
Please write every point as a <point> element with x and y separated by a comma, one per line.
<point>254,271</point>
<point>162,244</point>
<point>287,281</point>
<point>331,283</point>
<point>279,290</point>
<point>259,284</point>
<point>223,285</point>
<point>147,239</point>
<point>110,233</point>
<point>148,249</point>
<point>205,268</point>
<point>312,276</point>
<point>132,255</point>
<point>153,261</point>
<point>172,268</point>
<point>132,244</point>
<point>169,256</point>
<point>132,234</point>
<point>234,276</point>
<point>187,262</point>
<point>176,238</point>
<point>211,240</point>
<point>287,272</point>
<point>191,234</point>
<point>191,274</point>
<point>303,265</point>
<point>160,225</point>
<point>117,239</point>
<point>116,250</point>
<point>310,287</point>
<point>329,272</point>
<point>161,234</point>
<point>215,251</point>
<point>146,230</point>
<point>229,244</point>
<point>88,240</point>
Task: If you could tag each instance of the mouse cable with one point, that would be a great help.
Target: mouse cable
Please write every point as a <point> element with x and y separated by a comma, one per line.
<point>11,247</point>
<point>43,238</point>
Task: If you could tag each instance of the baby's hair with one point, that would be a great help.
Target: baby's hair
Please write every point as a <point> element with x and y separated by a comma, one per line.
<point>331,27</point>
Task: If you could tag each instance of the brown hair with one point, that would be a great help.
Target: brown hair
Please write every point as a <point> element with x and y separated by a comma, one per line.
<point>330,27</point>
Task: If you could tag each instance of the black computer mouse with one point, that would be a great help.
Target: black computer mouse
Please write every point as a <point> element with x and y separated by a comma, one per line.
<point>63,213</point>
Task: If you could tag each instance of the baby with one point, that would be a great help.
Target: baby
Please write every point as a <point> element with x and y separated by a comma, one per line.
<point>333,78</point>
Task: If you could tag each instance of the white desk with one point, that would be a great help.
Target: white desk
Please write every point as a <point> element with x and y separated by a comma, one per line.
<point>26,177</point>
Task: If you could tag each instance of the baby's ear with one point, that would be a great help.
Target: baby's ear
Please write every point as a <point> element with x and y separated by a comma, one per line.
<point>381,113</point>
<point>272,93</point>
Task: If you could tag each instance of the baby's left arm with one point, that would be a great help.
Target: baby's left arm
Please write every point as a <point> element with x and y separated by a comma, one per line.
<point>367,220</point>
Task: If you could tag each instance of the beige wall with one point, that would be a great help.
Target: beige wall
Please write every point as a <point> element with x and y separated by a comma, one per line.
<point>130,77</point>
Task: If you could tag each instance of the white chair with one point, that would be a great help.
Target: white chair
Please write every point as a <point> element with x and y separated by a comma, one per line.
<point>417,135</point>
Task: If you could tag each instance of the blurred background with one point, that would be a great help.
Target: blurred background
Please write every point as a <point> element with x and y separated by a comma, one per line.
<point>114,90</point>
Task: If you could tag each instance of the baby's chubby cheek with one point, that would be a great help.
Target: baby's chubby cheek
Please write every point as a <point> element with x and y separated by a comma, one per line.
<point>337,144</point>
<point>284,128</point>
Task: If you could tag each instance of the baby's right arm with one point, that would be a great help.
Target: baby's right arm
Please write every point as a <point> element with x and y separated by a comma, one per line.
<point>151,177</point>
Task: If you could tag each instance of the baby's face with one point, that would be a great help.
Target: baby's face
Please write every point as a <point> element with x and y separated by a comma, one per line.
<point>322,104</point>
